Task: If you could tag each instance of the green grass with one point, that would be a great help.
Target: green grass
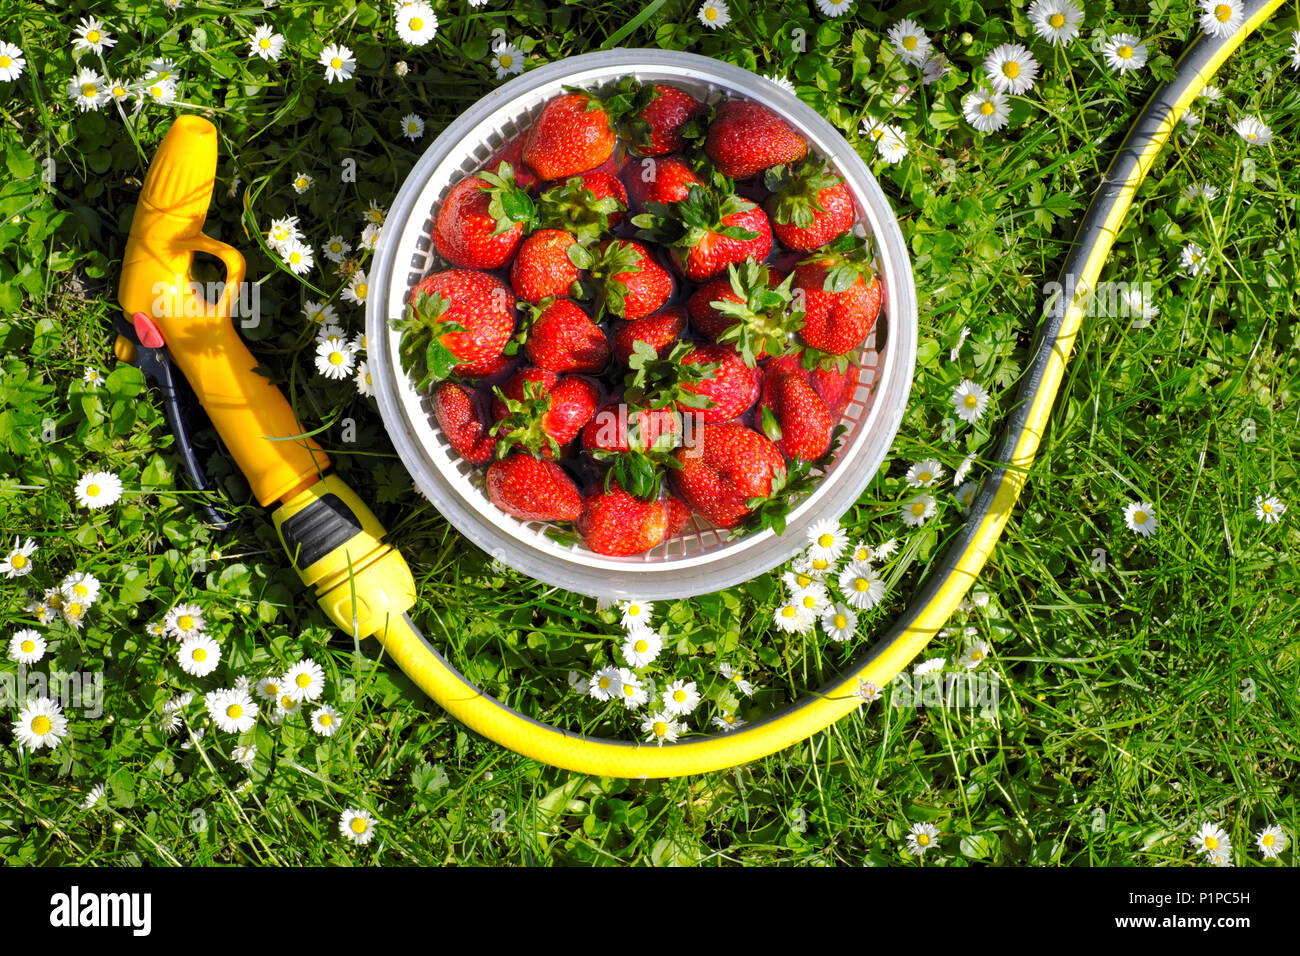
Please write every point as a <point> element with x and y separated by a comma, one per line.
<point>1147,684</point>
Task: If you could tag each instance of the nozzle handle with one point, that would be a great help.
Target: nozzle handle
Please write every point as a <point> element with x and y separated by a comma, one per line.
<point>232,259</point>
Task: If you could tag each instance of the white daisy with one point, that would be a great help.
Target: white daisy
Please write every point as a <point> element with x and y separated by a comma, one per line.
<point>80,586</point>
<point>401,68</point>
<point>40,724</point>
<point>840,622</point>
<point>338,62</point>
<point>335,358</point>
<point>918,510</point>
<point>412,127</point>
<point>507,60</point>
<point>934,69</point>
<point>1253,131</point>
<point>162,70</point>
<point>636,614</point>
<point>963,469</point>
<point>924,473</point>
<point>1211,94</point>
<point>792,619</point>
<point>91,35</point>
<point>88,90</point>
<point>244,755</point>
<point>358,288</point>
<point>304,680</point>
<point>26,646</point>
<point>910,42</point>
<point>325,720</point>
<point>370,236</point>
<point>1193,259</point>
<point>416,23</point>
<point>362,380</point>
<point>929,667</point>
<point>642,647</point>
<point>632,691</point>
<point>869,692</point>
<point>827,540</point>
<point>1056,21</point>
<point>1011,68</point>
<point>714,14</point>
<point>986,110</point>
<point>98,489</point>
<point>74,613</point>
<point>97,796</point>
<point>812,600</point>
<point>733,675</point>
<point>862,586</point>
<point>1211,841</point>
<point>1135,303</point>
<point>374,213</point>
<point>1207,191</point>
<point>969,401</point>
<point>1125,52</point>
<point>578,684</point>
<point>890,144</point>
<point>661,728</point>
<point>284,708</point>
<point>302,182</point>
<point>231,710</point>
<point>322,314</point>
<point>1221,18</point>
<point>1295,49</point>
<point>269,688</point>
<point>798,578</point>
<point>922,837</point>
<point>357,826</point>
<point>1269,510</point>
<point>965,495</point>
<point>198,655</point>
<point>680,698</point>
<point>604,683</point>
<point>12,62</point>
<point>335,248</point>
<point>782,82</point>
<point>160,91</point>
<point>1271,841</point>
<point>184,621</point>
<point>862,553</point>
<point>17,563</point>
<point>728,722</point>
<point>266,43</point>
<point>834,8</point>
<point>92,376</point>
<point>1140,518</point>
<point>974,655</point>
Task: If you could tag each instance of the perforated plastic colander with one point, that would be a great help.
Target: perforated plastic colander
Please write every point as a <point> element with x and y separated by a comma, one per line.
<point>702,558</point>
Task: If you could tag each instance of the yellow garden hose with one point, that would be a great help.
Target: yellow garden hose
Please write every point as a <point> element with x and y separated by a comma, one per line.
<point>955,574</point>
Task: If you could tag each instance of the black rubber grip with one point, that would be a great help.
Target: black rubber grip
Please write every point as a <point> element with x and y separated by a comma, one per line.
<point>318,529</point>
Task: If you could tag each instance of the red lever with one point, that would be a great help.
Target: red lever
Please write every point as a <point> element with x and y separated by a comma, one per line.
<point>146,329</point>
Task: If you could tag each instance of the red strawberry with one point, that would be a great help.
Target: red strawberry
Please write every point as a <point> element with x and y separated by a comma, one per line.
<point>659,331</point>
<point>613,427</point>
<point>732,388</point>
<point>463,423</point>
<point>679,515</point>
<point>616,523</point>
<point>563,339</point>
<point>572,135</point>
<point>706,233</point>
<point>480,223</point>
<point>547,265</point>
<point>629,282</point>
<point>513,153</point>
<point>795,417</point>
<point>745,138</point>
<point>667,180</point>
<point>542,412</point>
<point>658,113</point>
<point>458,319</point>
<point>749,308</point>
<point>841,301</point>
<point>809,206</point>
<point>723,468</point>
<point>836,388</point>
<point>487,369</point>
<point>532,489</point>
<point>588,206</point>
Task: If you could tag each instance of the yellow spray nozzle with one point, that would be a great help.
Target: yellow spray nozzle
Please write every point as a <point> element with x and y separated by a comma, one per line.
<point>181,178</point>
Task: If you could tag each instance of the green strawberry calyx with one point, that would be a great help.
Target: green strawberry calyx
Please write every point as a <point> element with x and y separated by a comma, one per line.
<point>619,258</point>
<point>764,320</point>
<point>508,204</point>
<point>691,220</point>
<point>523,427</point>
<point>422,351</point>
<point>797,190</point>
<point>573,207</point>
<point>655,382</point>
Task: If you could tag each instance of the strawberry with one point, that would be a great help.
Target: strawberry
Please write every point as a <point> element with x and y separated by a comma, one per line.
<point>653,117</point>
<point>481,222</point>
<point>616,523</point>
<point>749,308</point>
<point>463,423</point>
<point>486,369</point>
<point>628,281</point>
<point>572,135</point>
<point>532,489</point>
<point>588,206</point>
<point>809,206</point>
<point>745,138</point>
<point>659,331</point>
<point>542,412</point>
<point>733,387</point>
<point>563,339</point>
<point>724,470</point>
<point>548,264</point>
<point>679,515</point>
<point>618,428</point>
<point>706,232</point>
<point>512,153</point>
<point>836,388</point>
<point>667,180</point>
<point>795,417</point>
<point>841,300</point>
<point>458,319</point>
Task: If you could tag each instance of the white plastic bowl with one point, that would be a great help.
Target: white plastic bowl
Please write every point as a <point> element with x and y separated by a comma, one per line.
<point>701,559</point>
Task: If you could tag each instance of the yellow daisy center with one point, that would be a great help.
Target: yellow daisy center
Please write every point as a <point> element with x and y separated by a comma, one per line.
<point>505,60</point>
<point>234,711</point>
<point>264,43</point>
<point>603,683</point>
<point>92,36</point>
<point>302,680</point>
<point>358,825</point>
<point>1266,508</point>
<point>909,43</point>
<point>1268,839</point>
<point>286,702</point>
<point>326,719</point>
<point>925,477</point>
<point>809,601</point>
<point>1011,69</point>
<point>1140,517</point>
<point>417,23</point>
<point>861,584</point>
<point>272,690</point>
<point>199,655</point>
<point>119,91</point>
<point>74,609</point>
<point>821,564</point>
<point>825,540</point>
<point>803,580</point>
<point>977,655</point>
<point>641,647</point>
<point>18,561</point>
<point>660,728</point>
<point>28,646</point>
<point>729,718</point>
<point>710,14</point>
<point>923,839</point>
<point>986,108</point>
<point>970,401</point>
<point>361,290</point>
<point>679,695</point>
<point>5,62</point>
<point>1056,21</point>
<point>1251,136</point>
<point>89,89</point>
<point>41,725</point>
<point>1211,843</point>
<point>1125,52</point>
<point>336,63</point>
<point>156,92</point>
<point>841,621</point>
<point>1223,13</point>
<point>185,622</point>
<point>788,611</point>
<point>629,690</point>
<point>918,509</point>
